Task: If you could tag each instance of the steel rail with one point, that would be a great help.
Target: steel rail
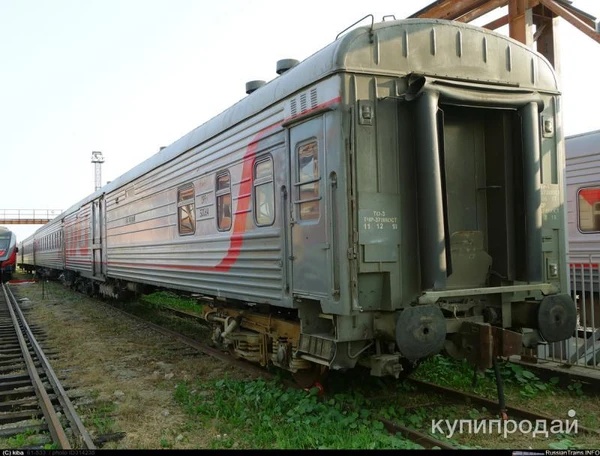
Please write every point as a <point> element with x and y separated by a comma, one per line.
<point>415,436</point>
<point>202,347</point>
<point>54,426</point>
<point>490,404</point>
<point>76,425</point>
<point>411,434</point>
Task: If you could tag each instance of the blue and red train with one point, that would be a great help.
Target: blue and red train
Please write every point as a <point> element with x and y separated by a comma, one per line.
<point>8,253</point>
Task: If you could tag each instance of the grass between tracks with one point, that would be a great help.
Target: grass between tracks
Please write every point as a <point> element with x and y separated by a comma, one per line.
<point>249,414</point>
<point>260,414</point>
<point>27,439</point>
<point>522,389</point>
<point>169,299</point>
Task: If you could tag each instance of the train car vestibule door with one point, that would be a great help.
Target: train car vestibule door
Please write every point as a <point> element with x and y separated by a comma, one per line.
<point>98,261</point>
<point>310,244</point>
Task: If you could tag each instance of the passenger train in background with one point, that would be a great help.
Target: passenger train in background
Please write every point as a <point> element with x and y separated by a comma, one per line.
<point>583,197</point>
<point>397,193</point>
<point>8,253</point>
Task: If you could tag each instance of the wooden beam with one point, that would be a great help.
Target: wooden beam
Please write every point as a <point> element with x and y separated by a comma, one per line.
<point>561,11</point>
<point>547,42</point>
<point>588,19</point>
<point>449,9</point>
<point>539,30</point>
<point>481,10</point>
<point>520,21</point>
<point>500,22</point>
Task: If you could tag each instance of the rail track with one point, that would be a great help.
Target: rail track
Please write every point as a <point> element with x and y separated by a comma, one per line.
<point>448,393</point>
<point>513,412</point>
<point>414,435</point>
<point>451,394</point>
<point>255,371</point>
<point>29,387</point>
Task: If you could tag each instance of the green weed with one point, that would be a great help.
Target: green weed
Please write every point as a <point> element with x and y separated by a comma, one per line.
<point>17,441</point>
<point>576,387</point>
<point>98,415</point>
<point>564,444</point>
<point>459,374</point>
<point>529,382</point>
<point>261,414</point>
<point>169,299</point>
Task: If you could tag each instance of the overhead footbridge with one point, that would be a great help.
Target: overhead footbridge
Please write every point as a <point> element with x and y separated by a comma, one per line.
<point>27,216</point>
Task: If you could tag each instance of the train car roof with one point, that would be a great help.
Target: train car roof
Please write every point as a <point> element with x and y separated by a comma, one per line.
<point>469,52</point>
<point>583,144</point>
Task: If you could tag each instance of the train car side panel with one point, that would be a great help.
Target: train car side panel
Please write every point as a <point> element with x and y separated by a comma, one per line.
<point>77,232</point>
<point>191,223</point>
<point>583,193</point>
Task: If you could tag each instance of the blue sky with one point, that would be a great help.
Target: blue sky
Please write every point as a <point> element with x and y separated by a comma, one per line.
<point>128,76</point>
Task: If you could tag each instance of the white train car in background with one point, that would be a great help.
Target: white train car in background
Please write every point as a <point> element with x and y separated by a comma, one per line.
<point>583,204</point>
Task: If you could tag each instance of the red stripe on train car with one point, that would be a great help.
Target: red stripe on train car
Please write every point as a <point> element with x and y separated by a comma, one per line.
<point>243,208</point>
<point>583,265</point>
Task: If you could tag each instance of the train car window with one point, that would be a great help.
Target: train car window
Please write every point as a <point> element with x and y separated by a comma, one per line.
<point>264,193</point>
<point>308,179</point>
<point>588,208</point>
<point>186,210</point>
<point>223,193</point>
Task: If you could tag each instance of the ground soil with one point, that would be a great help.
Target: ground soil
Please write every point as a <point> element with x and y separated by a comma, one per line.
<point>125,372</point>
<point>126,375</point>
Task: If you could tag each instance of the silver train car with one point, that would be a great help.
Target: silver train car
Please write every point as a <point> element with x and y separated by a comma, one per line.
<point>583,197</point>
<point>395,194</point>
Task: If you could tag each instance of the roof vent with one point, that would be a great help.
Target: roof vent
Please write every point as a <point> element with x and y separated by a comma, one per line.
<point>251,86</point>
<point>285,64</point>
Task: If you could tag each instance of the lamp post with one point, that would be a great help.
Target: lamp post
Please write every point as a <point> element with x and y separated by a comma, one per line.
<point>97,160</point>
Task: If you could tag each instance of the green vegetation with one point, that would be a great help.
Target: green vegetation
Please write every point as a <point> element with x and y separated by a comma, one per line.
<point>189,327</point>
<point>99,416</point>
<point>169,299</point>
<point>459,374</point>
<point>27,438</point>
<point>576,387</point>
<point>17,441</point>
<point>259,414</point>
<point>564,444</point>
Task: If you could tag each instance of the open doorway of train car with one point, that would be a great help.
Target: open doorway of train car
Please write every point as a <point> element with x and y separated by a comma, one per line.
<point>483,203</point>
<point>482,172</point>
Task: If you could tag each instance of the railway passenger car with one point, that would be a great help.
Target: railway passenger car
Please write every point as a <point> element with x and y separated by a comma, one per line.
<point>583,196</point>
<point>8,253</point>
<point>397,193</point>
